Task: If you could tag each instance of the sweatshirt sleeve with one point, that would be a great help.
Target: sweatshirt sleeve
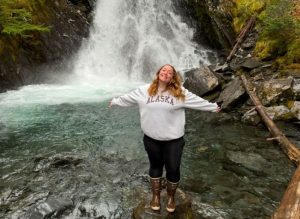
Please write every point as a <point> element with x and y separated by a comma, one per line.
<point>127,99</point>
<point>193,101</point>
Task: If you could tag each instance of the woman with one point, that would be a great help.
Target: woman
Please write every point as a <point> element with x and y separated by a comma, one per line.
<point>162,116</point>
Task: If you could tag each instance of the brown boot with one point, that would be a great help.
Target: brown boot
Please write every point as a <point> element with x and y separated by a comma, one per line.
<point>171,190</point>
<point>156,188</point>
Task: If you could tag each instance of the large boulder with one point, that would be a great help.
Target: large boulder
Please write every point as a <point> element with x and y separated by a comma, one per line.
<point>232,94</point>
<point>275,91</point>
<point>274,112</point>
<point>183,207</point>
<point>200,81</point>
<point>251,161</point>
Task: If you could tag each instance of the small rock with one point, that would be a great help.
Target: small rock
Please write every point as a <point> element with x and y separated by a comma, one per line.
<point>222,68</point>
<point>258,77</point>
<point>56,161</point>
<point>91,209</point>
<point>49,207</point>
<point>296,109</point>
<point>296,89</point>
<point>251,63</point>
<point>248,44</point>
<point>251,117</point>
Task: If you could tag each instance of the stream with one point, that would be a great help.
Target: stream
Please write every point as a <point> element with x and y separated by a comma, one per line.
<point>65,154</point>
<point>90,161</point>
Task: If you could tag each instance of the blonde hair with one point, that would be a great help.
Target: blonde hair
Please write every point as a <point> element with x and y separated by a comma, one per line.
<point>174,86</point>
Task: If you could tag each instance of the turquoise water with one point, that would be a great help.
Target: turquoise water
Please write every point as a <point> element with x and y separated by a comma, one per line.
<point>227,165</point>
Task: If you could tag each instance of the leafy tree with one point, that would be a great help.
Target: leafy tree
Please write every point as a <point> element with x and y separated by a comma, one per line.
<point>279,31</point>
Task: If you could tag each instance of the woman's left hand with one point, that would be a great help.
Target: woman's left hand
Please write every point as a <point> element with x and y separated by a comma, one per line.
<point>218,109</point>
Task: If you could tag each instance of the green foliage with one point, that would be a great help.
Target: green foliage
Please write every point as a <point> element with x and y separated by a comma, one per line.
<point>276,20</point>
<point>244,10</point>
<point>293,51</point>
<point>265,49</point>
<point>16,18</point>
<point>277,25</point>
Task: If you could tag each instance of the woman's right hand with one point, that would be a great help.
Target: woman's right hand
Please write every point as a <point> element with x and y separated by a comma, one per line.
<point>110,104</point>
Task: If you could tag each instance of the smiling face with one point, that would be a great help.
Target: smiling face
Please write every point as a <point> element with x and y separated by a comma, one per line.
<point>166,74</point>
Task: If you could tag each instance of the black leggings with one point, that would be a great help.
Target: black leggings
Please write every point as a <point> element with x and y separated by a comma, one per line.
<point>164,153</point>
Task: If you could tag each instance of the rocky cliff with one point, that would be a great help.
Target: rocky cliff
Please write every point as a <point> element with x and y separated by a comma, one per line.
<point>211,20</point>
<point>23,59</point>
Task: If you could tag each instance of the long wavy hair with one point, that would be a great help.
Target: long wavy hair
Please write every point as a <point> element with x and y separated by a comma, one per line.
<point>174,86</point>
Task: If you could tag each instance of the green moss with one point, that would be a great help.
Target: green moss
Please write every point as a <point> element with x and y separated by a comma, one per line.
<point>293,51</point>
<point>19,21</point>
<point>22,28</point>
<point>290,103</point>
<point>16,17</point>
<point>265,49</point>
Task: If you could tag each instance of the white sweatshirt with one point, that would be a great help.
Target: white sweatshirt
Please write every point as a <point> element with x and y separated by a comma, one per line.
<point>162,116</point>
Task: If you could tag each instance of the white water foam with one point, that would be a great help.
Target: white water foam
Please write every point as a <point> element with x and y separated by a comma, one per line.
<point>131,39</point>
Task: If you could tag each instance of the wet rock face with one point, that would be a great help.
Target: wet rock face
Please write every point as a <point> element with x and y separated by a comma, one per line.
<point>25,59</point>
<point>211,21</point>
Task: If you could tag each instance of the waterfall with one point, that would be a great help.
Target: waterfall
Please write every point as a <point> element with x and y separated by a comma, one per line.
<point>130,40</point>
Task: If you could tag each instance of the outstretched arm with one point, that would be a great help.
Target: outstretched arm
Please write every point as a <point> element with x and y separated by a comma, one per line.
<point>193,101</point>
<point>126,99</point>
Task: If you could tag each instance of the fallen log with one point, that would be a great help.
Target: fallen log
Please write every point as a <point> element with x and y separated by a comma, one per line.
<point>288,147</point>
<point>241,37</point>
<point>289,207</point>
